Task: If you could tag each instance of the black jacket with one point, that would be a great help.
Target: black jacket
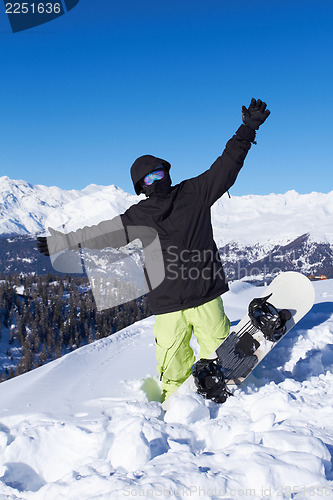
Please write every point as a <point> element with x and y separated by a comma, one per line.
<point>182,219</point>
<point>180,216</point>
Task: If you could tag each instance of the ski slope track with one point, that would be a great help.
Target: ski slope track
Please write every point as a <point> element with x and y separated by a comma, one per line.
<point>90,426</point>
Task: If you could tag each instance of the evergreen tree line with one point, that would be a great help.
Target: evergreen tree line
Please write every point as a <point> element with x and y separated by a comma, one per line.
<point>49,316</point>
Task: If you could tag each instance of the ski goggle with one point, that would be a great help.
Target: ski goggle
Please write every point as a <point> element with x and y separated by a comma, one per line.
<point>157,175</point>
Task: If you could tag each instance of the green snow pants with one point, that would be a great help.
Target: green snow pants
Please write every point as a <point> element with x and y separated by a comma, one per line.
<point>173,332</point>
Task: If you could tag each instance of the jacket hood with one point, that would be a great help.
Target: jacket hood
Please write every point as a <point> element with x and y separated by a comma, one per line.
<point>143,166</point>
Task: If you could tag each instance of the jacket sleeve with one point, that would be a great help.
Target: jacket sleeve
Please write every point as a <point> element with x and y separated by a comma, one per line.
<point>213,183</point>
<point>108,233</point>
<point>114,233</point>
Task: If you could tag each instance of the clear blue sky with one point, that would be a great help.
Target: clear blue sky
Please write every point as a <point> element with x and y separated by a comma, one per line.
<point>84,95</point>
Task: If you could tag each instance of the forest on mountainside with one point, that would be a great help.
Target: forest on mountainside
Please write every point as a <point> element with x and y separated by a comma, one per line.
<point>44,317</point>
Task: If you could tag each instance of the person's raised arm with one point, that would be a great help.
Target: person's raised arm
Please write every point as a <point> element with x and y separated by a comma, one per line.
<point>213,183</point>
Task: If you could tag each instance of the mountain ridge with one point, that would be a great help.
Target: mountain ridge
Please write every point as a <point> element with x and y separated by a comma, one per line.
<point>253,232</point>
<point>25,209</point>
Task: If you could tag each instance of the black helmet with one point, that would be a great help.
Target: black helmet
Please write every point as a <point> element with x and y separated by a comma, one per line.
<point>143,166</point>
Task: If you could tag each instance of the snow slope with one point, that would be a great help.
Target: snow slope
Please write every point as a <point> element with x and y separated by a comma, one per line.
<point>83,427</point>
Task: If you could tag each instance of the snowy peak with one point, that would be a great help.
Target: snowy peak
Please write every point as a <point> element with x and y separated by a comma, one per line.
<point>25,208</point>
<point>274,218</point>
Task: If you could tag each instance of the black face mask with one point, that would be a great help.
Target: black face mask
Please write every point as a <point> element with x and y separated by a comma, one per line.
<point>159,188</point>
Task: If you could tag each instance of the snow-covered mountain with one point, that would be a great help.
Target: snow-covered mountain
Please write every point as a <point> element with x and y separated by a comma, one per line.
<point>288,231</point>
<point>89,425</point>
<point>25,209</point>
<point>271,219</point>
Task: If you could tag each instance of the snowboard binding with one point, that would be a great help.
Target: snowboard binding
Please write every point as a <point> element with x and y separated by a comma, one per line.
<point>210,381</point>
<point>268,319</point>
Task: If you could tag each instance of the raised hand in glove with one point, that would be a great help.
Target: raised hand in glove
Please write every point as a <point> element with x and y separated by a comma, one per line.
<point>255,114</point>
<point>50,245</point>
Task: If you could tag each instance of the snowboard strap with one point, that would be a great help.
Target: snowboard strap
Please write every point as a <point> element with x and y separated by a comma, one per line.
<point>270,321</point>
<point>209,380</point>
<point>247,345</point>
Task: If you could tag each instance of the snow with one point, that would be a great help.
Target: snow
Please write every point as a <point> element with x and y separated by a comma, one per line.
<point>29,209</point>
<point>90,426</point>
<point>273,219</point>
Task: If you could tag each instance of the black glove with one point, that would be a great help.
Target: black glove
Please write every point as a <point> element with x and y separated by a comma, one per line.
<point>50,245</point>
<point>255,114</point>
<point>42,245</point>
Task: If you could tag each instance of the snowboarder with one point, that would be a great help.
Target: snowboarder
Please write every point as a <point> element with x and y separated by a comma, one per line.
<point>189,298</point>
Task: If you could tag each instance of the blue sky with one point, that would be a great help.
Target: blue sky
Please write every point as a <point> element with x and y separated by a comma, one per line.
<point>87,93</point>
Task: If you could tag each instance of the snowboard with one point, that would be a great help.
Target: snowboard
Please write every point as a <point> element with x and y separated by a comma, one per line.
<point>291,295</point>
